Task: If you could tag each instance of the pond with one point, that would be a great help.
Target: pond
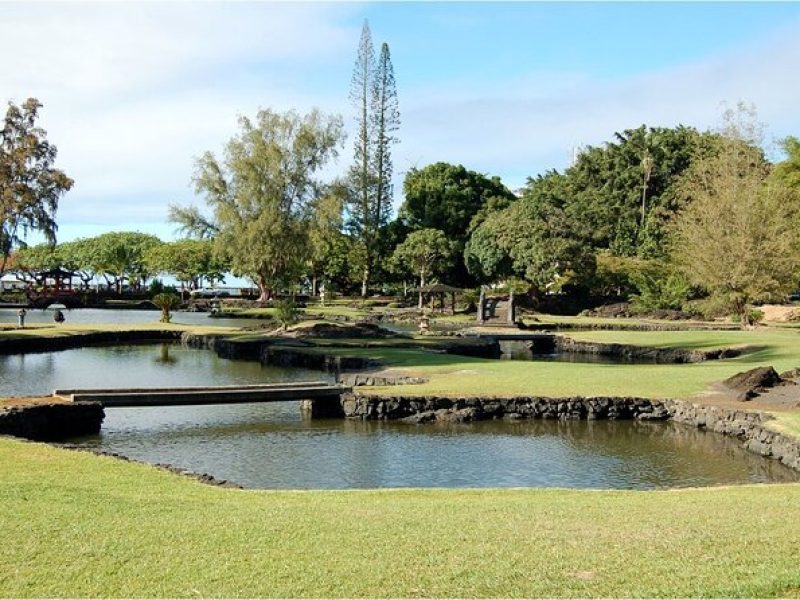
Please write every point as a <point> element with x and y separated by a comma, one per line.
<point>115,316</point>
<point>274,446</point>
<point>521,350</point>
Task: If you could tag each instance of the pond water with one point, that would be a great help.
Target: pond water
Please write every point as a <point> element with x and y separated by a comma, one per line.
<point>521,350</point>
<point>112,316</point>
<point>274,446</point>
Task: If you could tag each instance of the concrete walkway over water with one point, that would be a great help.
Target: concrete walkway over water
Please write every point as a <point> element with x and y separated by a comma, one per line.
<point>225,394</point>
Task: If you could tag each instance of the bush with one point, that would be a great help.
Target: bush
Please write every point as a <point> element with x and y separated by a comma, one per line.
<point>166,302</point>
<point>287,312</point>
<point>753,317</point>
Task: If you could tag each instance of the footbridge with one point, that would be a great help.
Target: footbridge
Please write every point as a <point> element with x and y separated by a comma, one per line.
<point>323,398</point>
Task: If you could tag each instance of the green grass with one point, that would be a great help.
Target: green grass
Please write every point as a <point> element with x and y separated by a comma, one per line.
<point>459,376</point>
<point>269,313</point>
<point>78,525</point>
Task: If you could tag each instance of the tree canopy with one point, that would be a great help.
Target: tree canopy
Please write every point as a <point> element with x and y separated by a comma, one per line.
<point>260,193</point>
<point>424,252</point>
<point>30,186</point>
<point>738,235</point>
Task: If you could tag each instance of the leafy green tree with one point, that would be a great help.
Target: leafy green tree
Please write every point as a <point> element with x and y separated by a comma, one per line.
<point>260,193</point>
<point>788,170</point>
<point>189,261</point>
<point>30,260</point>
<point>325,231</point>
<point>532,240</point>
<point>78,256</point>
<point>448,197</point>
<point>738,235</point>
<point>454,200</point>
<point>621,196</point>
<point>424,252</point>
<point>119,256</point>
<point>30,186</point>
<point>287,312</point>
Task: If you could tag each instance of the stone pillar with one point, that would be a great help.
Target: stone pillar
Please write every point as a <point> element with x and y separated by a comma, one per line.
<point>329,407</point>
<point>481,307</point>
<point>511,311</point>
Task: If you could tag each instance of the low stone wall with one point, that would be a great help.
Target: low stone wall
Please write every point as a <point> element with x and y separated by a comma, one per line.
<point>29,344</point>
<point>48,422</point>
<point>274,352</point>
<point>362,379</point>
<point>367,406</point>
<point>749,427</point>
<point>631,352</point>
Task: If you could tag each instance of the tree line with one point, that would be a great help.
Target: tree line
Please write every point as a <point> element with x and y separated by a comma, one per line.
<point>668,217</point>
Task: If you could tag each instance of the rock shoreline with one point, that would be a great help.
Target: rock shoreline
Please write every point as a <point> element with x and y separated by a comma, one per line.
<point>632,352</point>
<point>49,422</point>
<point>30,344</point>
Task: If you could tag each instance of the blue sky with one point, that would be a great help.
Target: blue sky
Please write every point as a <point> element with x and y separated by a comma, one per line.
<point>133,91</point>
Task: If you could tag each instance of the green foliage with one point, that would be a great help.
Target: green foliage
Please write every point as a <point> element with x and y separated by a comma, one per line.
<point>30,186</point>
<point>287,312</point>
<point>33,259</point>
<point>373,94</point>
<point>531,239</point>
<point>157,287</point>
<point>190,261</point>
<point>260,194</point>
<point>119,255</point>
<point>621,196</point>
<point>660,287</point>
<point>166,302</point>
<point>454,200</point>
<point>448,197</point>
<point>738,236</point>
<point>788,171</point>
<point>424,252</point>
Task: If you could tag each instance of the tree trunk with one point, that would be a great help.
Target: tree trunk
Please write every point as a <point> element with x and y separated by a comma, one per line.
<point>313,286</point>
<point>365,282</point>
<point>421,285</point>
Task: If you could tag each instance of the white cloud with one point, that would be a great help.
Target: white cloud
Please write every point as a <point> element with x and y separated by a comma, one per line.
<point>526,126</point>
<point>133,91</point>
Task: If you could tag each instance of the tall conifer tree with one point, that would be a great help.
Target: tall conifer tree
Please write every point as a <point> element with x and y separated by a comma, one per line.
<point>374,96</point>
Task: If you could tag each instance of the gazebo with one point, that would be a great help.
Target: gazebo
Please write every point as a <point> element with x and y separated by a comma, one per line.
<point>55,281</point>
<point>440,291</point>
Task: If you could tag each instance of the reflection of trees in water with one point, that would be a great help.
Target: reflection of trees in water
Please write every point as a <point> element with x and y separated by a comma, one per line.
<point>164,357</point>
<point>656,454</point>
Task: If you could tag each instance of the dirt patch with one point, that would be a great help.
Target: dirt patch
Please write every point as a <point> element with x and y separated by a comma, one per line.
<point>749,384</point>
<point>32,400</point>
<point>780,313</point>
<point>341,330</point>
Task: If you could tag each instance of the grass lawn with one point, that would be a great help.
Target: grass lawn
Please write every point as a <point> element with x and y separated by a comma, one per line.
<point>74,524</point>
<point>458,376</point>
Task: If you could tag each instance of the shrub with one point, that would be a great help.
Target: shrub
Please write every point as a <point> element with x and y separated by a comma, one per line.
<point>287,312</point>
<point>166,302</point>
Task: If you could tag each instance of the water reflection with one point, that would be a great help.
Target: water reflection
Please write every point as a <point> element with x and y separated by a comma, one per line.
<point>137,365</point>
<point>273,446</point>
